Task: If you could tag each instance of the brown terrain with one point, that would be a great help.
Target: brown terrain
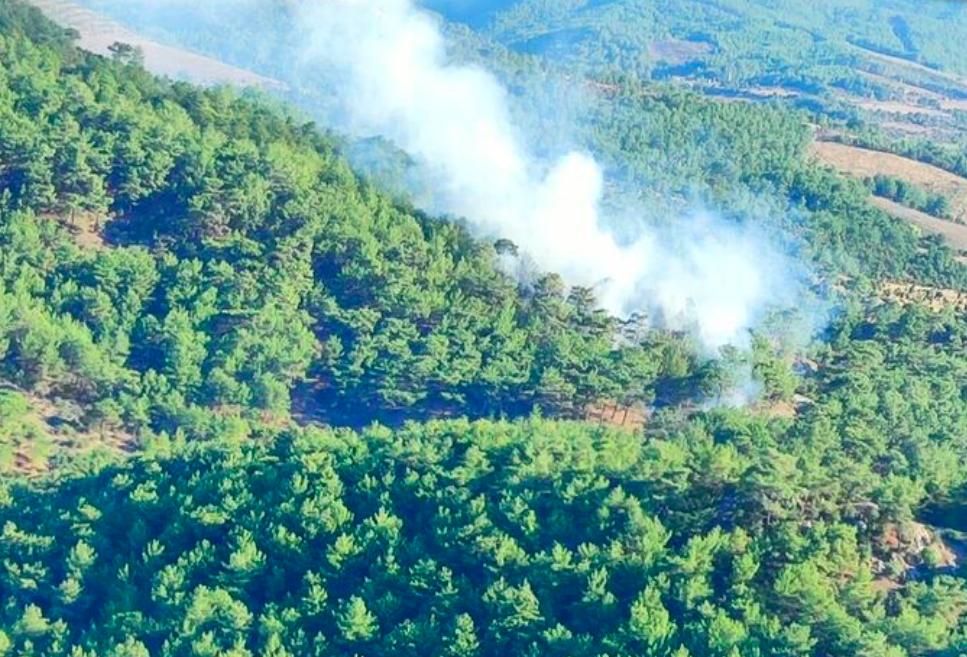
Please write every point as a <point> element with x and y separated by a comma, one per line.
<point>98,33</point>
<point>936,299</point>
<point>904,547</point>
<point>53,431</point>
<point>955,234</point>
<point>629,417</point>
<point>926,102</point>
<point>865,163</point>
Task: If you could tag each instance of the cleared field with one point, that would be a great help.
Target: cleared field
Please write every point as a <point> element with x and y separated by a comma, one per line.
<point>98,32</point>
<point>864,163</point>
<point>955,105</point>
<point>934,298</point>
<point>955,234</point>
<point>915,66</point>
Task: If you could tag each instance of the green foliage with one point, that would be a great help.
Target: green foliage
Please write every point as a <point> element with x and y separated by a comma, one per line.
<point>911,195</point>
<point>735,44</point>
<point>466,539</point>
<point>245,263</point>
<point>199,267</point>
<point>21,433</point>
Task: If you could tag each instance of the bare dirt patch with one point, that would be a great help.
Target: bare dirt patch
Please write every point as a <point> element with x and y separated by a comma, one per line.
<point>50,431</point>
<point>677,51</point>
<point>954,234</point>
<point>98,33</point>
<point>865,163</point>
<point>934,298</point>
<point>895,107</point>
<point>628,417</point>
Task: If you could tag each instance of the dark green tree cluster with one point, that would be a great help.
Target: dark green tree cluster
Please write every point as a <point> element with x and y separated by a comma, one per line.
<point>751,162</point>
<point>910,194</point>
<point>810,47</point>
<point>457,538</point>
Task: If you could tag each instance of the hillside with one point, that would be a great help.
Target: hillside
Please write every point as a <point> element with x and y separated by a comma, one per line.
<point>827,50</point>
<point>97,33</point>
<point>254,403</point>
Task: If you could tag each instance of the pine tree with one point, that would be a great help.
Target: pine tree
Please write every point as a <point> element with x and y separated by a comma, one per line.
<point>356,623</point>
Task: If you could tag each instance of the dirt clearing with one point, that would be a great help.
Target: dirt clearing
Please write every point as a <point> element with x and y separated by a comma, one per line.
<point>955,234</point>
<point>97,33</point>
<point>864,163</point>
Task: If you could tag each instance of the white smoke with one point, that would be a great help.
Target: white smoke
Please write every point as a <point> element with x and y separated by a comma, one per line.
<point>394,79</point>
<point>388,74</point>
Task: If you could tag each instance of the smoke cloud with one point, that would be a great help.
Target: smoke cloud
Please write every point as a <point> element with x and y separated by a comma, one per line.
<point>393,78</point>
<point>387,73</point>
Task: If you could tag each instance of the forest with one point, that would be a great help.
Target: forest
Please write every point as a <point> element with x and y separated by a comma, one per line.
<point>252,404</point>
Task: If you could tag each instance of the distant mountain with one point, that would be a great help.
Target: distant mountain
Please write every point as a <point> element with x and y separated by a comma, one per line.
<point>895,59</point>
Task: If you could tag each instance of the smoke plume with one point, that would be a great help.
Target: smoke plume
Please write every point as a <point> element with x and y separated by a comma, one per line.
<point>387,73</point>
<point>393,78</point>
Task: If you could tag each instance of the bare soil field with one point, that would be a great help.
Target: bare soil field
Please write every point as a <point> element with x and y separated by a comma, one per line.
<point>98,32</point>
<point>932,297</point>
<point>955,234</point>
<point>958,105</point>
<point>864,163</point>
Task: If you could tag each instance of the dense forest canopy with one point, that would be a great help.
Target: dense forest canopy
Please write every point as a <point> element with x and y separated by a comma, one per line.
<point>252,404</point>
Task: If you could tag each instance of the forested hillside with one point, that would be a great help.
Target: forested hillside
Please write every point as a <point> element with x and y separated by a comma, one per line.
<point>748,36</point>
<point>211,252</point>
<point>465,539</point>
<point>251,404</point>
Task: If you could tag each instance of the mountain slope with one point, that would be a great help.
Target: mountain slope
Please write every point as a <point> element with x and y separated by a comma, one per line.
<point>188,269</point>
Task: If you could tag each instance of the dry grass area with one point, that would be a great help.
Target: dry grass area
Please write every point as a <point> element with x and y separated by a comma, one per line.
<point>98,32</point>
<point>914,66</point>
<point>936,299</point>
<point>864,163</point>
<point>40,431</point>
<point>628,417</point>
<point>955,234</point>
<point>86,230</point>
